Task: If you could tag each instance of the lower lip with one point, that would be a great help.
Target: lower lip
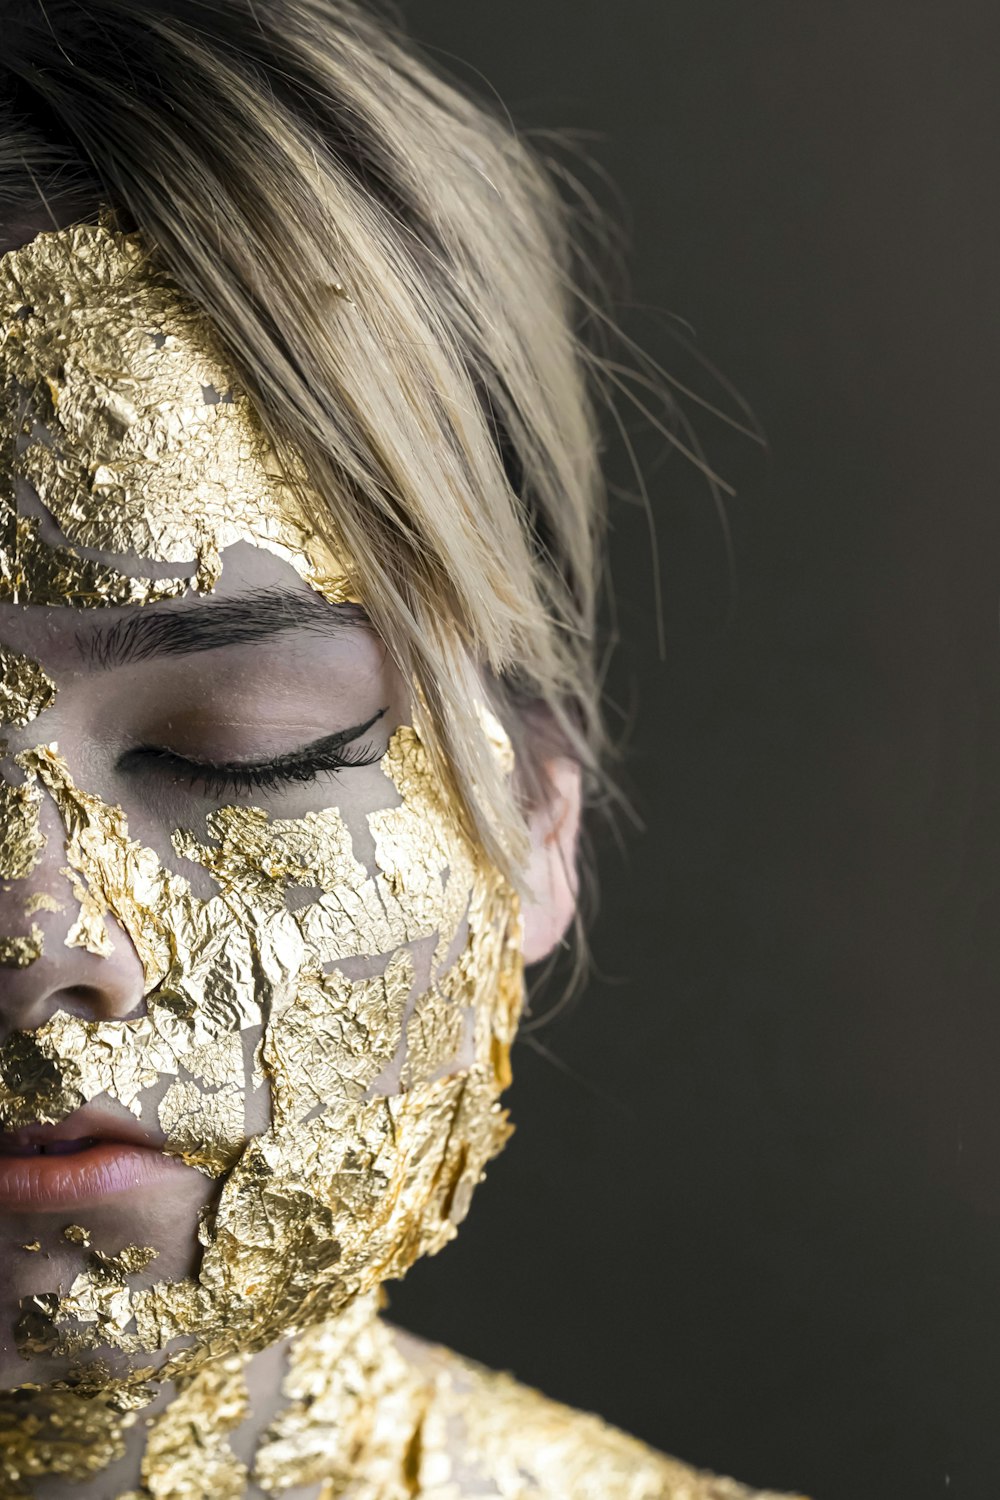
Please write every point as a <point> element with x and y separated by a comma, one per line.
<point>103,1170</point>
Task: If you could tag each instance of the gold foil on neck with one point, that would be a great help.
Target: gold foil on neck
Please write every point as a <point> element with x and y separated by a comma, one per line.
<point>187,1454</point>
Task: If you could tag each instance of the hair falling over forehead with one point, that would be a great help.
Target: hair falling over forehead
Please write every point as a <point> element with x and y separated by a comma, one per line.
<point>389,269</point>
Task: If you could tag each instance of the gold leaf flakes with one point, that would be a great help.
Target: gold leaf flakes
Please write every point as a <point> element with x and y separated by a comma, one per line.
<point>26,689</point>
<point>42,901</point>
<point>123,434</point>
<point>21,838</point>
<point>59,1434</point>
<point>205,1129</point>
<point>136,439</point>
<point>187,1454</point>
<point>20,952</point>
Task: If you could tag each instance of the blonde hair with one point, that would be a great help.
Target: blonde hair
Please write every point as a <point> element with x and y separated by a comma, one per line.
<point>391,269</point>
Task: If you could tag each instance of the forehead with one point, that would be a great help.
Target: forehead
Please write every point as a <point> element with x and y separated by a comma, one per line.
<point>258,596</point>
<point>124,435</point>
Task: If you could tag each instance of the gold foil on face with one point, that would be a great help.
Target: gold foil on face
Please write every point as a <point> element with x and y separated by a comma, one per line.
<point>121,433</point>
<point>21,837</point>
<point>20,952</point>
<point>26,689</point>
<point>205,1129</point>
<point>117,412</point>
<point>345,1187</point>
<point>42,901</point>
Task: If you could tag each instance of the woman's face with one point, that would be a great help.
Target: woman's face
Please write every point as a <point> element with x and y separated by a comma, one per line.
<point>258,989</point>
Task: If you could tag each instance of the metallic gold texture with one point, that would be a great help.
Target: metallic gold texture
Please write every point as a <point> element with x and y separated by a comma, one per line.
<point>347,1186</point>
<point>19,952</point>
<point>54,1433</point>
<point>294,1211</point>
<point>124,444</point>
<point>374,1414</point>
<point>187,1450</point>
<point>21,837</point>
<point>26,689</point>
<point>120,420</point>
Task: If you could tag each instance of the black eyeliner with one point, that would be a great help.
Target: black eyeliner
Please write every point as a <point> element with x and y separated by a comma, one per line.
<point>294,766</point>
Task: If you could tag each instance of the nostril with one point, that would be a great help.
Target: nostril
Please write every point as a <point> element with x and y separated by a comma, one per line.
<point>76,981</point>
<point>92,1003</point>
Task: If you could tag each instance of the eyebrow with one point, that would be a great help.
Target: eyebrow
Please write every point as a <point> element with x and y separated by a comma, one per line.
<point>206,627</point>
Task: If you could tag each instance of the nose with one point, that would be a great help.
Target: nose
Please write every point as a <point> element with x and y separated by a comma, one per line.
<point>71,979</point>
<point>54,970</point>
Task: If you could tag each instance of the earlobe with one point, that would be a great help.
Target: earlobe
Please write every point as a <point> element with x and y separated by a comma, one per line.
<point>551,878</point>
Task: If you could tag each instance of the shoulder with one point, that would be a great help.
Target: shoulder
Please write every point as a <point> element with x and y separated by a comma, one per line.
<point>485,1434</point>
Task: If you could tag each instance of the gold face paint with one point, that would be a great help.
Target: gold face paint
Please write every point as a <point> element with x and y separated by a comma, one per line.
<point>121,434</point>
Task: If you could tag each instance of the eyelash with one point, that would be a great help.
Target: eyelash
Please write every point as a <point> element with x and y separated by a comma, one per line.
<point>337,752</point>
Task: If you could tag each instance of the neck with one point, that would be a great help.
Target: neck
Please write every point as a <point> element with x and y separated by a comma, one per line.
<point>330,1403</point>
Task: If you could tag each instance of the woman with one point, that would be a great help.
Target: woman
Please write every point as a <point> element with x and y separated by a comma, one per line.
<point>299,508</point>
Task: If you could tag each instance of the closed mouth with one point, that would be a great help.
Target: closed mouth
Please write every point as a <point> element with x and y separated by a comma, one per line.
<point>89,1156</point>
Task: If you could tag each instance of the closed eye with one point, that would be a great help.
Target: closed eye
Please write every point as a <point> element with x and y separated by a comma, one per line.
<point>335,752</point>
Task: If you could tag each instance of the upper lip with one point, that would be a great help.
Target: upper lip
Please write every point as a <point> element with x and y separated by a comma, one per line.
<point>89,1123</point>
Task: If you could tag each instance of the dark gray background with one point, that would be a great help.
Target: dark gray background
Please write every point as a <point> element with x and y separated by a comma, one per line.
<point>751,1209</point>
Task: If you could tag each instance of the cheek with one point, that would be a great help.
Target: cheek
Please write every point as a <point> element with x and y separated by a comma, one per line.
<point>359,1037</point>
<point>334,961</point>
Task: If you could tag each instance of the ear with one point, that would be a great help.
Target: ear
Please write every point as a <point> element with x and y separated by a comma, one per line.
<point>551,877</point>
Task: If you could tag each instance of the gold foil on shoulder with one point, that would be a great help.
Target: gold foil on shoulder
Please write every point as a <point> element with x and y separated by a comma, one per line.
<point>376,1415</point>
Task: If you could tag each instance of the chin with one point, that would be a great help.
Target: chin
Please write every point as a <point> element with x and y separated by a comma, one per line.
<point>43,1252</point>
